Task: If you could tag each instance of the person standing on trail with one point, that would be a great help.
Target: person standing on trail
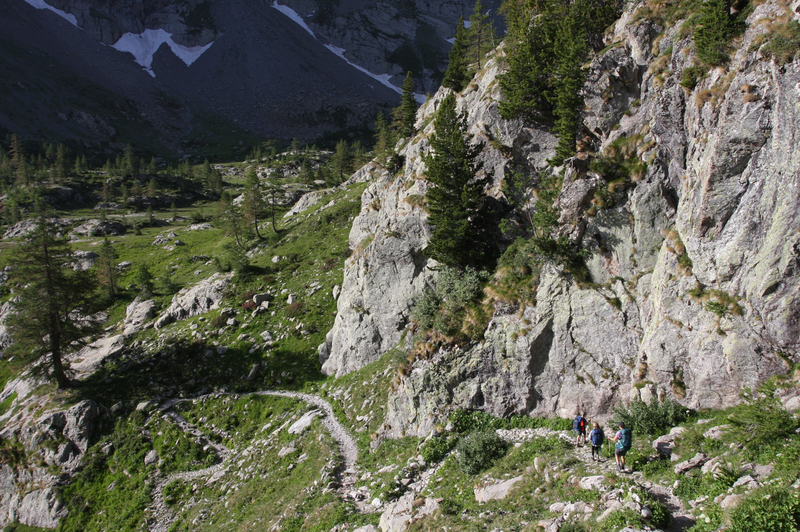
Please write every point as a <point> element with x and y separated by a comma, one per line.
<point>622,444</point>
<point>579,426</point>
<point>596,436</point>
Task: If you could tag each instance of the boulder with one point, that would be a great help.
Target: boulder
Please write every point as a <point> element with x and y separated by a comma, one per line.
<point>299,426</point>
<point>151,457</point>
<point>137,314</point>
<point>596,482</point>
<point>98,228</point>
<point>696,461</point>
<point>265,297</point>
<point>198,299</point>
<point>84,260</point>
<point>496,491</point>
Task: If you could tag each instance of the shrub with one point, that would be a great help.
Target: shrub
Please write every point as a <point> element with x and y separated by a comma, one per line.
<point>714,31</point>
<point>478,450</point>
<point>654,418</point>
<point>692,76</point>
<point>295,309</point>
<point>442,308</point>
<point>219,321</point>
<point>466,421</point>
<point>762,420</point>
<point>784,43</point>
<point>435,449</point>
<point>771,509</point>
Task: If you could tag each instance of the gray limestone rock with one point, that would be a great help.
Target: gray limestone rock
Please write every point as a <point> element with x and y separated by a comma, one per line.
<point>198,299</point>
<point>98,228</point>
<point>495,491</point>
<point>138,313</point>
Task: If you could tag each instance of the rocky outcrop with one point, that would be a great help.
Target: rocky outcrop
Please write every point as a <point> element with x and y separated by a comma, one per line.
<point>198,299</point>
<point>692,262</point>
<point>28,491</point>
<point>388,267</point>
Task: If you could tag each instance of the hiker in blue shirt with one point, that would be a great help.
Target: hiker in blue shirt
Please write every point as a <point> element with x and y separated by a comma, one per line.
<point>596,436</point>
<point>622,444</point>
<point>579,426</point>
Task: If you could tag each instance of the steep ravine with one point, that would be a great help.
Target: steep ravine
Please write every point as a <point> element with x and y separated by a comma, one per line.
<point>693,266</point>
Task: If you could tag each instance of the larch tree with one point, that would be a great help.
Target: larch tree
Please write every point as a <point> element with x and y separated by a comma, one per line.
<point>459,237</point>
<point>52,300</point>
<point>481,29</point>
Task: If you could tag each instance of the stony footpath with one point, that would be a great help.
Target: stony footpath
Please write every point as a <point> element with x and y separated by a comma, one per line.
<point>161,516</point>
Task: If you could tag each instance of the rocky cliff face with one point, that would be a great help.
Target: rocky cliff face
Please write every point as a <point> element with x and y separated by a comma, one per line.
<point>388,268</point>
<point>693,264</point>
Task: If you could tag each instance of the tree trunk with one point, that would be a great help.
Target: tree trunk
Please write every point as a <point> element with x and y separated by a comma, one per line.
<point>55,354</point>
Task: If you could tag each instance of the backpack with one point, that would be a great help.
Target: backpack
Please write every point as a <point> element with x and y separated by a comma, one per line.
<point>598,437</point>
<point>624,442</point>
<point>579,424</point>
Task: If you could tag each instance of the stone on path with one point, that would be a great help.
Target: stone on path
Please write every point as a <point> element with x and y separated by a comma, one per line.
<point>299,426</point>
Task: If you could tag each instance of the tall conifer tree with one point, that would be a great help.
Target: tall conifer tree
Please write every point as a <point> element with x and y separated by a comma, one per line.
<point>457,75</point>
<point>458,235</point>
<point>53,298</point>
<point>408,108</point>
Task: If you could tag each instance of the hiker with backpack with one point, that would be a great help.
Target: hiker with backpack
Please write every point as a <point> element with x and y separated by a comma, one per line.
<point>596,436</point>
<point>579,426</point>
<point>622,444</point>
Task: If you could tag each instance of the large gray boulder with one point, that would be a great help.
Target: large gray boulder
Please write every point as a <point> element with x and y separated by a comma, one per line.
<point>196,300</point>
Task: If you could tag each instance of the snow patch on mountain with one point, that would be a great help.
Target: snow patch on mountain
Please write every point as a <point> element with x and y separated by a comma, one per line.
<point>293,15</point>
<point>383,79</point>
<point>144,45</point>
<point>41,4</point>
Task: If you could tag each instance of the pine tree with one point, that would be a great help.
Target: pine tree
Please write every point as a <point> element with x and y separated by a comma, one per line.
<point>229,218</point>
<point>253,204</point>
<point>567,101</point>
<point>306,173</point>
<point>715,28</point>
<point>408,108</point>
<point>342,160</point>
<point>52,299</point>
<point>107,268</point>
<point>18,162</point>
<point>144,280</point>
<point>383,135</point>
<point>458,234</point>
<point>457,75</point>
<point>61,164</point>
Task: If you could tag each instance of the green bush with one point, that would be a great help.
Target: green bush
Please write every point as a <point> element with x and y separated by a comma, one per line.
<point>478,450</point>
<point>784,43</point>
<point>466,421</point>
<point>762,420</point>
<point>770,509</point>
<point>442,307</point>
<point>689,488</point>
<point>714,30</point>
<point>435,449</point>
<point>692,76</point>
<point>655,418</point>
